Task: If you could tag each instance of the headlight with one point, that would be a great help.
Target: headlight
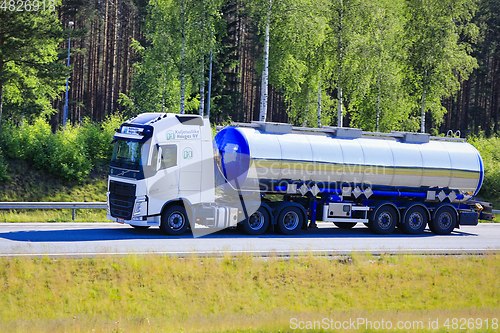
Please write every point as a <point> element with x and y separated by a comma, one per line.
<point>140,208</point>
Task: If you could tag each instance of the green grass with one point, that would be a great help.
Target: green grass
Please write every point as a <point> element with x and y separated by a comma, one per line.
<point>240,294</point>
<point>30,185</point>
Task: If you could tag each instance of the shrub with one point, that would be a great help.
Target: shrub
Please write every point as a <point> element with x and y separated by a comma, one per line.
<point>3,168</point>
<point>70,158</point>
<point>69,154</point>
<point>10,139</point>
<point>490,153</point>
<point>98,138</point>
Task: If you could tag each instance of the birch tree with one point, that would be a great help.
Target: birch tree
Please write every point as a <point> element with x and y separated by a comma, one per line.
<point>438,58</point>
<point>379,103</point>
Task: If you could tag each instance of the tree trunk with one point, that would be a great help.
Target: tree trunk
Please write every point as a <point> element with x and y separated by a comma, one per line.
<point>112,58</point>
<point>1,102</point>
<point>319,104</point>
<point>105,65</point>
<point>340,56</point>
<point>422,105</point>
<point>202,87</point>
<point>265,71</point>
<point>422,112</point>
<point>183,58</point>
<point>209,92</point>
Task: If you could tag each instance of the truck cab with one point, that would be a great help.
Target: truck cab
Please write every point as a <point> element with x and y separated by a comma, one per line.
<point>159,161</point>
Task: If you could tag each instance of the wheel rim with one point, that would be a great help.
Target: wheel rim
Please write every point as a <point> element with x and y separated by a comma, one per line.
<point>256,221</point>
<point>415,220</point>
<point>384,220</point>
<point>445,220</point>
<point>291,220</point>
<point>176,221</point>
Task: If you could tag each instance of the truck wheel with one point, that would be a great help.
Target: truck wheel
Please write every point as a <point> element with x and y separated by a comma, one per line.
<point>345,225</point>
<point>257,223</point>
<point>290,220</point>
<point>415,220</point>
<point>174,221</point>
<point>444,221</point>
<point>385,220</point>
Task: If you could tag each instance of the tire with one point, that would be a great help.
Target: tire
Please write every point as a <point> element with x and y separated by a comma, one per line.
<point>384,221</point>
<point>174,221</point>
<point>444,221</point>
<point>140,227</point>
<point>415,220</point>
<point>290,220</point>
<point>345,225</point>
<point>257,223</point>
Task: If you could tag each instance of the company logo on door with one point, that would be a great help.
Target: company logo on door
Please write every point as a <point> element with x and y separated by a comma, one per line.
<point>187,153</point>
<point>183,134</point>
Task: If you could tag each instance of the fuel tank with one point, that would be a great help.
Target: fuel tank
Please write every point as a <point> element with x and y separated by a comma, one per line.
<point>247,156</point>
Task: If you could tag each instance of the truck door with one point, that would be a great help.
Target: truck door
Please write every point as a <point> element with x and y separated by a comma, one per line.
<point>190,170</point>
<point>164,184</point>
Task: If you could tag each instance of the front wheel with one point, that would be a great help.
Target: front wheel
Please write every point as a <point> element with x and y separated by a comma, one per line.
<point>444,221</point>
<point>257,223</point>
<point>290,220</point>
<point>174,221</point>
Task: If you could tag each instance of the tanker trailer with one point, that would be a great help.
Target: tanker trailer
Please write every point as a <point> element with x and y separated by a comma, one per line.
<point>166,171</point>
<point>346,176</point>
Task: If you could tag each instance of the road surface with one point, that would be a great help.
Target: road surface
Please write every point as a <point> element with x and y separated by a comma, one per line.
<point>97,239</point>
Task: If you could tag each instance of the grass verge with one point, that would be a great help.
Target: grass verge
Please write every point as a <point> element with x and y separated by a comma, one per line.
<point>30,185</point>
<point>243,294</point>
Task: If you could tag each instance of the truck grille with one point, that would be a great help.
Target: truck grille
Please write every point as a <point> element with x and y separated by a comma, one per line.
<point>121,199</point>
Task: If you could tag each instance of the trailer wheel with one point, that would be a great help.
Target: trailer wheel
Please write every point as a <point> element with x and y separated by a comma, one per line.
<point>415,220</point>
<point>444,221</point>
<point>174,221</point>
<point>384,221</point>
<point>257,223</point>
<point>345,225</point>
<point>290,220</point>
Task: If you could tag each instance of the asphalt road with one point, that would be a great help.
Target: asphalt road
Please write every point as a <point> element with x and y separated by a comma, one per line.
<point>97,239</point>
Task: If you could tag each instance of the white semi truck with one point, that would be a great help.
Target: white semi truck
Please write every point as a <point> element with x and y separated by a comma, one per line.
<point>166,171</point>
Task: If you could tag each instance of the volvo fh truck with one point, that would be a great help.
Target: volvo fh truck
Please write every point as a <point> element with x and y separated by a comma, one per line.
<point>168,172</point>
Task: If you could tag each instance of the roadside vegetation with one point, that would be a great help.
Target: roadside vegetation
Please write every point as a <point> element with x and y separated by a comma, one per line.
<point>241,294</point>
<point>71,154</point>
<point>38,165</point>
<point>489,149</point>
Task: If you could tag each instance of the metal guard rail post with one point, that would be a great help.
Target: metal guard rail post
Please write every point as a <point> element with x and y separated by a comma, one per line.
<point>54,205</point>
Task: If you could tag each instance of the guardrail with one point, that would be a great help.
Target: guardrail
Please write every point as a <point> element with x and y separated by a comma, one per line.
<point>54,205</point>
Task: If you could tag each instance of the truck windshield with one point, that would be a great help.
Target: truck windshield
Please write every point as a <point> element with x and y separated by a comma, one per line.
<point>127,154</point>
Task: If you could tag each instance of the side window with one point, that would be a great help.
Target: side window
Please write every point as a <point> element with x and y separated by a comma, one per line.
<point>168,156</point>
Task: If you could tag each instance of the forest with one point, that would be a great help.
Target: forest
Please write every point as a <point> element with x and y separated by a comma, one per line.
<point>379,65</point>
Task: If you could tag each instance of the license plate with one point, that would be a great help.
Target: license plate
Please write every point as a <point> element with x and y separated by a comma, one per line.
<point>122,221</point>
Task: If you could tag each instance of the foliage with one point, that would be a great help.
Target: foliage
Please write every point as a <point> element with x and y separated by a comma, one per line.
<point>439,54</point>
<point>3,168</point>
<point>175,54</point>
<point>30,75</point>
<point>71,153</point>
<point>490,153</point>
